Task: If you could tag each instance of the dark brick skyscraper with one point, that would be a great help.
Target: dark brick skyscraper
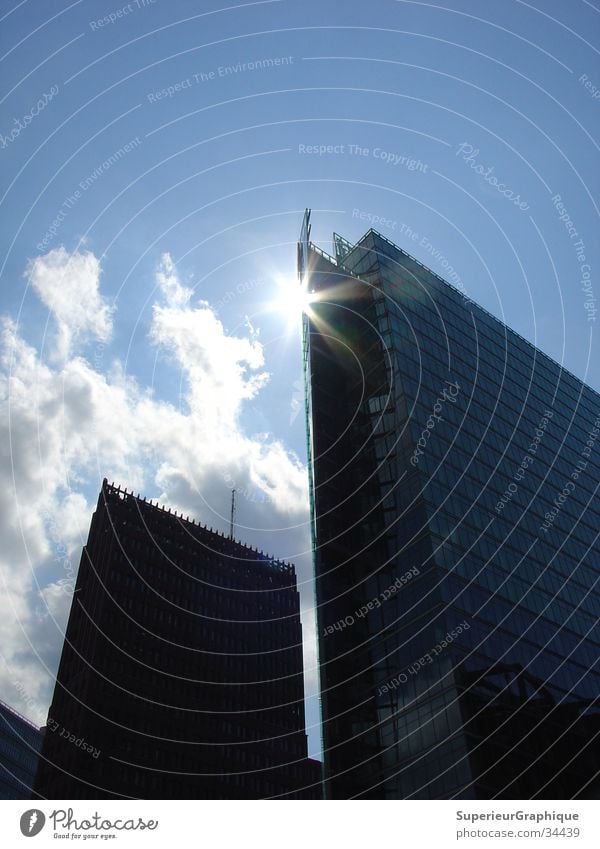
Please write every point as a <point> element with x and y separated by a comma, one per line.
<point>181,673</point>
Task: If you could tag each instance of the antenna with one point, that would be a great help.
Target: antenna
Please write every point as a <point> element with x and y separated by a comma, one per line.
<point>231,520</point>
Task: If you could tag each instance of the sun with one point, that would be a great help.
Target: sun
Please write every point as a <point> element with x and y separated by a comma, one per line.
<point>292,299</point>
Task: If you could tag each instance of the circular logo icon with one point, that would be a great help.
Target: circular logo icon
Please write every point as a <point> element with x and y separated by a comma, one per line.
<point>32,822</point>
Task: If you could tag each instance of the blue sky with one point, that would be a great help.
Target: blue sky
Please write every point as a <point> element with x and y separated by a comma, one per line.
<point>156,162</point>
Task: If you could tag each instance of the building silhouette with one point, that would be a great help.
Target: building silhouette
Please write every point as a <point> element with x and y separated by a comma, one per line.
<point>181,673</point>
<point>454,474</point>
<point>20,742</point>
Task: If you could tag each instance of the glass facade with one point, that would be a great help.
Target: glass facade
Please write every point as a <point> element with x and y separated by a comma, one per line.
<point>20,743</point>
<point>181,674</point>
<point>454,474</point>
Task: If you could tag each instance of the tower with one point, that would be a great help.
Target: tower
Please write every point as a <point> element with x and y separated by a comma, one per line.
<point>454,471</point>
<point>181,672</point>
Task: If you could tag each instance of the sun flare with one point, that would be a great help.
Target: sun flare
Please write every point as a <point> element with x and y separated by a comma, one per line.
<point>292,298</point>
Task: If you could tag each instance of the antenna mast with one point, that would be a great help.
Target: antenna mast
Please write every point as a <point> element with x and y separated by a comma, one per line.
<point>232,519</point>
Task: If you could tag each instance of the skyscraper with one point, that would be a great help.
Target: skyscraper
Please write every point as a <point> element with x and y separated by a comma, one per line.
<point>454,489</point>
<point>181,674</point>
<point>20,743</point>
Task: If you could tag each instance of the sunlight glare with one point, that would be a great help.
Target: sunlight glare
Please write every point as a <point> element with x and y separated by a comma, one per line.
<point>292,298</point>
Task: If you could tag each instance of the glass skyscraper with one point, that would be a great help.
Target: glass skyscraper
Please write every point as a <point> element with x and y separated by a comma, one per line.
<point>20,743</point>
<point>455,514</point>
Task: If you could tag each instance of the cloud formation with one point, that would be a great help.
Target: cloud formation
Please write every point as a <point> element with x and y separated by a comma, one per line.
<point>69,285</point>
<point>69,420</point>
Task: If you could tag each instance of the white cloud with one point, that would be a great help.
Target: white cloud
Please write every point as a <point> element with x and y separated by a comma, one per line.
<point>220,369</point>
<point>168,282</point>
<point>68,284</point>
<point>66,425</point>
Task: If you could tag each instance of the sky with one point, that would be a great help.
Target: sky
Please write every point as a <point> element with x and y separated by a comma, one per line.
<point>157,157</point>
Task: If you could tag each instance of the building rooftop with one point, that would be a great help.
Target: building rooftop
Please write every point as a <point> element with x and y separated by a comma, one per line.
<point>193,527</point>
<point>343,248</point>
